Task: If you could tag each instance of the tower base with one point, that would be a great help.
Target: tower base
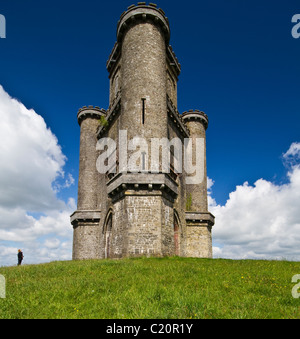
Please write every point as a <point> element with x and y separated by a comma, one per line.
<point>86,237</point>
<point>198,233</point>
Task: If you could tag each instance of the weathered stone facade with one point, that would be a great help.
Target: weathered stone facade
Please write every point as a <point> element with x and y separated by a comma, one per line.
<point>150,211</point>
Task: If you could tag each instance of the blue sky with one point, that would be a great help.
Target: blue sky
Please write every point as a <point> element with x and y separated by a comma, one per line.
<point>240,64</point>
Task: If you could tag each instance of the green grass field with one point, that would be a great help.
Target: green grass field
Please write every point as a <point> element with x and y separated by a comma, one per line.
<point>148,288</point>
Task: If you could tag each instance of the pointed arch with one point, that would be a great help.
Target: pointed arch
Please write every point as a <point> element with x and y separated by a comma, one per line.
<point>177,233</point>
<point>107,229</point>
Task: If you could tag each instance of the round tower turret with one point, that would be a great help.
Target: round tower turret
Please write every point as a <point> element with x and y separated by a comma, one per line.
<point>197,123</point>
<point>143,13</point>
<point>88,119</point>
<point>198,220</point>
<point>86,219</point>
<point>143,33</point>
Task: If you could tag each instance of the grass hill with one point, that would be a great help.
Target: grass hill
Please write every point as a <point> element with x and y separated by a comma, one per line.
<point>171,288</point>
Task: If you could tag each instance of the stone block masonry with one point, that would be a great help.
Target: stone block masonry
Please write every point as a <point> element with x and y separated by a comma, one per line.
<point>141,213</point>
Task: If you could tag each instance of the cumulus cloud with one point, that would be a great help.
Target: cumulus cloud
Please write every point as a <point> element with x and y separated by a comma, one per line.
<point>263,220</point>
<point>31,168</point>
<point>31,158</point>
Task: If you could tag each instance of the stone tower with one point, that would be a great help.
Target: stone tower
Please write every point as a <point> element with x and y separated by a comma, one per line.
<point>138,205</point>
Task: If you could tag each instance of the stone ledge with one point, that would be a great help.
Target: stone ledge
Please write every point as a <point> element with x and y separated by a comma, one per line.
<point>141,179</point>
<point>200,217</point>
<point>124,184</point>
<point>85,215</point>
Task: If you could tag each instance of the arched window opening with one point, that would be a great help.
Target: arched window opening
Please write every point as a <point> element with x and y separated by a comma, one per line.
<point>107,235</point>
<point>176,234</point>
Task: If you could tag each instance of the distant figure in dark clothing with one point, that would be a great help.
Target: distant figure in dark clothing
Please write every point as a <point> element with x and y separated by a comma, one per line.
<point>20,257</point>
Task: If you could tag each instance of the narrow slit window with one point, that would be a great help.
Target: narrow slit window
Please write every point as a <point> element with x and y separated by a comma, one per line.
<point>143,161</point>
<point>143,110</point>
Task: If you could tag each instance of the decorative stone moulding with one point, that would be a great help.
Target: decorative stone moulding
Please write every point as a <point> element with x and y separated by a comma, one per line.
<point>200,218</point>
<point>122,182</point>
<point>81,216</point>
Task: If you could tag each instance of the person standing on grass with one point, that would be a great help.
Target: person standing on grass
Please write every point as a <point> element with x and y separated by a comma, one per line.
<point>20,257</point>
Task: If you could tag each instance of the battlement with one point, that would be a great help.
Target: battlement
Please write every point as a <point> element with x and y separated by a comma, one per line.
<point>111,114</point>
<point>142,12</point>
<point>176,117</point>
<point>90,112</point>
<point>195,115</point>
<point>173,61</point>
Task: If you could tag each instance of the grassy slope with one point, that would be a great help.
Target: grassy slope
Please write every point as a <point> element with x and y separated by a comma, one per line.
<point>151,288</point>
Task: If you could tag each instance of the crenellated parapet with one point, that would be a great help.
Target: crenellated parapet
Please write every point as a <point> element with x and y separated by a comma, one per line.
<point>195,115</point>
<point>90,112</point>
<point>173,61</point>
<point>112,112</point>
<point>113,58</point>
<point>143,13</point>
<point>177,119</point>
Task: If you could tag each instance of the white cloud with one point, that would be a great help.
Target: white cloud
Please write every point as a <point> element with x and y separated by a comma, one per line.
<point>294,150</point>
<point>210,183</point>
<point>31,165</point>
<point>261,221</point>
<point>52,243</point>
<point>292,156</point>
<point>31,158</point>
<point>68,182</point>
